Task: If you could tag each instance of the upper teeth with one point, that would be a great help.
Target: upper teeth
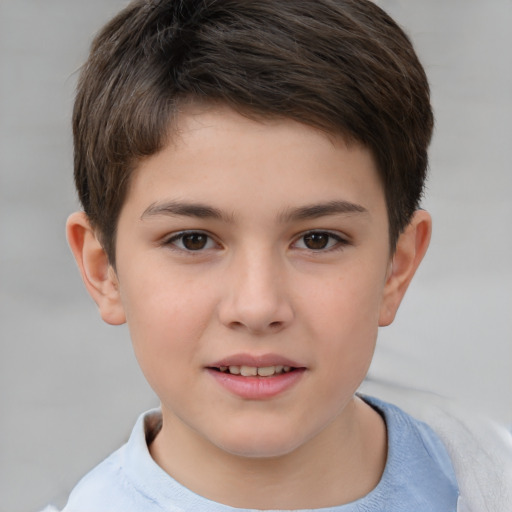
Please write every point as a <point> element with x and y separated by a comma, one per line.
<point>253,371</point>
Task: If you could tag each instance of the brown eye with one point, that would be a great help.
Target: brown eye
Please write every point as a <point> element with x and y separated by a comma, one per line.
<point>320,241</point>
<point>316,241</point>
<point>190,241</point>
<point>194,241</point>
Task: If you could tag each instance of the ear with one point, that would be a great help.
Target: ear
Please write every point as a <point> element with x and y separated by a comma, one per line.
<point>411,247</point>
<point>98,275</point>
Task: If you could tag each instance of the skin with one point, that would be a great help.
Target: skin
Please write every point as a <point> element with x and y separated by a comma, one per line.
<point>262,285</point>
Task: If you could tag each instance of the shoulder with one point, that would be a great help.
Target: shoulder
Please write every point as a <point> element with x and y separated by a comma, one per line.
<point>480,450</point>
<point>123,481</point>
<point>408,435</point>
<point>481,453</point>
<point>101,486</point>
<point>419,473</point>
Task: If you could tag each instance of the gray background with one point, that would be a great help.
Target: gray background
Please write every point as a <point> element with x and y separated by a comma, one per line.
<point>70,388</point>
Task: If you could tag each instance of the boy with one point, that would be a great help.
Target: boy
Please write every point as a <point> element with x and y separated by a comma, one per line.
<point>250,174</point>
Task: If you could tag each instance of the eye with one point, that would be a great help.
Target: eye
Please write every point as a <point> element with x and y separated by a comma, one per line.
<point>319,241</point>
<point>191,241</point>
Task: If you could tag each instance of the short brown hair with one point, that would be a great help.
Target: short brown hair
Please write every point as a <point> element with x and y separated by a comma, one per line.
<point>343,66</point>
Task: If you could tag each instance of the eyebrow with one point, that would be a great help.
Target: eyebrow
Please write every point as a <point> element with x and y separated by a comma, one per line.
<point>203,211</point>
<point>178,208</point>
<point>315,211</point>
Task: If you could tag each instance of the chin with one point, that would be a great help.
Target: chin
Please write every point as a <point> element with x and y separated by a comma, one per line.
<point>260,443</point>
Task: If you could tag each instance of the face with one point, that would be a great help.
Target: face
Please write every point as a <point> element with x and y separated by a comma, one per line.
<point>251,264</point>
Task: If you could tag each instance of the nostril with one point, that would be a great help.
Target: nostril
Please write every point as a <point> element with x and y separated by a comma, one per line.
<point>273,326</point>
<point>236,325</point>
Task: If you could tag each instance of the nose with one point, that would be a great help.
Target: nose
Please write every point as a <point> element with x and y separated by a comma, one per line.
<point>255,296</point>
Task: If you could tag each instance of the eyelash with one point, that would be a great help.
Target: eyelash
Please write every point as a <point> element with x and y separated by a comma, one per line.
<point>335,242</point>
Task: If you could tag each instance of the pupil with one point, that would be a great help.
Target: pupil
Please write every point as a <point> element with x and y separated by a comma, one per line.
<point>195,241</point>
<point>316,240</point>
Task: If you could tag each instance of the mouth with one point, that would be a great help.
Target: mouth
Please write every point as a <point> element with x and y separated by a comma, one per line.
<point>257,378</point>
<point>254,371</point>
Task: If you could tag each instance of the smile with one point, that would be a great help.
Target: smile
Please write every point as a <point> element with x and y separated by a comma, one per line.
<point>256,380</point>
<point>255,371</point>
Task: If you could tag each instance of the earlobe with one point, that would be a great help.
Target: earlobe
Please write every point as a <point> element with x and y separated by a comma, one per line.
<point>411,247</point>
<point>98,275</point>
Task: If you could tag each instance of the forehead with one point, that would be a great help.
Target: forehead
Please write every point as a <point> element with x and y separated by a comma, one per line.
<point>222,158</point>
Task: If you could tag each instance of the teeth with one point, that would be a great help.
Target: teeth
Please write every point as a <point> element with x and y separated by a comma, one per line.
<point>253,371</point>
<point>248,371</point>
<point>266,371</point>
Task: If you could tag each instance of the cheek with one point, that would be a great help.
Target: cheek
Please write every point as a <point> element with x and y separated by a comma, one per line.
<point>348,302</point>
<point>156,297</point>
<point>345,316</point>
<point>166,318</point>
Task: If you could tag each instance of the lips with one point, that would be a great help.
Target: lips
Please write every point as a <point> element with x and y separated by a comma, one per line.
<point>256,377</point>
<point>256,361</point>
<point>255,371</point>
<point>246,365</point>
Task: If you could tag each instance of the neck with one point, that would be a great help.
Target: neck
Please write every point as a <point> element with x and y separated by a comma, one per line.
<point>341,464</point>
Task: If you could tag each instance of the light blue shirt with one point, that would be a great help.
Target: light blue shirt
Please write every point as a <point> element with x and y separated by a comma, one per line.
<point>418,476</point>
